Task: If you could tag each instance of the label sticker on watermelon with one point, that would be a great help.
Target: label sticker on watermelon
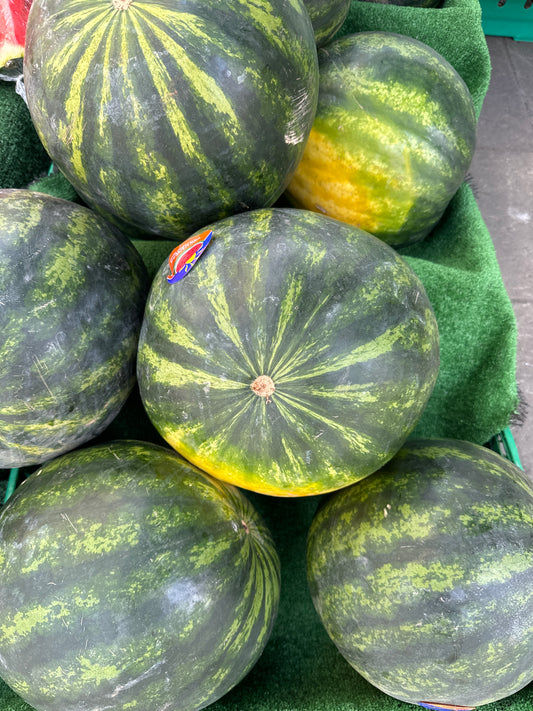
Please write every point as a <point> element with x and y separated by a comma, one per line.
<point>183,258</point>
<point>444,707</point>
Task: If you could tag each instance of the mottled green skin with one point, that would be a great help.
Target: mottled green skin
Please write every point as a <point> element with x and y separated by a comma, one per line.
<point>130,579</point>
<point>423,574</point>
<point>327,17</point>
<point>72,291</point>
<point>337,320</point>
<point>167,115</point>
<point>393,137</point>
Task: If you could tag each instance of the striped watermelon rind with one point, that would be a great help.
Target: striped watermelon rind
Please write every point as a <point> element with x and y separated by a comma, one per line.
<point>73,292</point>
<point>422,574</point>
<point>327,17</point>
<point>294,358</point>
<point>131,579</point>
<point>167,115</point>
<point>393,137</point>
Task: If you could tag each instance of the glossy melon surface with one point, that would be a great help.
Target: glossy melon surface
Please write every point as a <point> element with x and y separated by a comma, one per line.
<point>294,358</point>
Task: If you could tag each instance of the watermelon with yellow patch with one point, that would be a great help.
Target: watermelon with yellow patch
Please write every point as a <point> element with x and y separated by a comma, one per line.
<point>294,357</point>
<point>393,137</point>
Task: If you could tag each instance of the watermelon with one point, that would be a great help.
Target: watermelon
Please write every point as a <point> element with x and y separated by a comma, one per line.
<point>73,291</point>
<point>422,574</point>
<point>327,17</point>
<point>293,358</point>
<point>129,578</point>
<point>13,19</point>
<point>166,115</point>
<point>393,137</point>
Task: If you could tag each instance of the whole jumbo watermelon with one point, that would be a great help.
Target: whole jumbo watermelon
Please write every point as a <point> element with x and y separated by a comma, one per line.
<point>295,357</point>
<point>73,291</point>
<point>393,137</point>
<point>130,579</point>
<point>423,574</point>
<point>166,115</point>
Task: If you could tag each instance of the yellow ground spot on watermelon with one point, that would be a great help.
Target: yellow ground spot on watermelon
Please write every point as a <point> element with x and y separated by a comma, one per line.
<point>24,622</point>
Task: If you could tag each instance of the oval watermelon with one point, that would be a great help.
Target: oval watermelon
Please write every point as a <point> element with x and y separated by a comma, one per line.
<point>327,17</point>
<point>294,358</point>
<point>393,137</point>
<point>423,574</point>
<point>166,115</point>
<point>73,292</point>
<point>131,579</point>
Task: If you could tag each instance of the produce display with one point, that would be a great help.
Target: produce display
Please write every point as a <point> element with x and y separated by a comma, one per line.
<point>393,137</point>
<point>142,580</point>
<point>295,357</point>
<point>165,115</point>
<point>223,500</point>
<point>423,574</point>
<point>73,292</point>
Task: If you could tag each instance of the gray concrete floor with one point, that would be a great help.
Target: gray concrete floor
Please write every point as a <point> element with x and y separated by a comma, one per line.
<point>502,173</point>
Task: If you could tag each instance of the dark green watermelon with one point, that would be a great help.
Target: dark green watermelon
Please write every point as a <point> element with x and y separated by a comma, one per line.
<point>72,291</point>
<point>422,574</point>
<point>166,115</point>
<point>393,137</point>
<point>295,357</point>
<point>130,579</point>
<point>327,17</point>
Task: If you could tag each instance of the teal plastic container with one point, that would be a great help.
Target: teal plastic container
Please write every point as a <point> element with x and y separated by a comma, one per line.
<point>512,19</point>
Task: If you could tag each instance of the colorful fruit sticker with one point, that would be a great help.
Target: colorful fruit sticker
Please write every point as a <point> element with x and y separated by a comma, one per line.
<point>13,19</point>
<point>183,258</point>
<point>444,707</point>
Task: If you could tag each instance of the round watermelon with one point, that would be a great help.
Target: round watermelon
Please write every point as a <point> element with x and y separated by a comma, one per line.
<point>73,292</point>
<point>166,115</point>
<point>393,137</point>
<point>422,574</point>
<point>130,579</point>
<point>327,17</point>
<point>293,358</point>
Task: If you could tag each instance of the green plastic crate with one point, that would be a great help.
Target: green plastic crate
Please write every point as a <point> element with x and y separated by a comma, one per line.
<point>512,19</point>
